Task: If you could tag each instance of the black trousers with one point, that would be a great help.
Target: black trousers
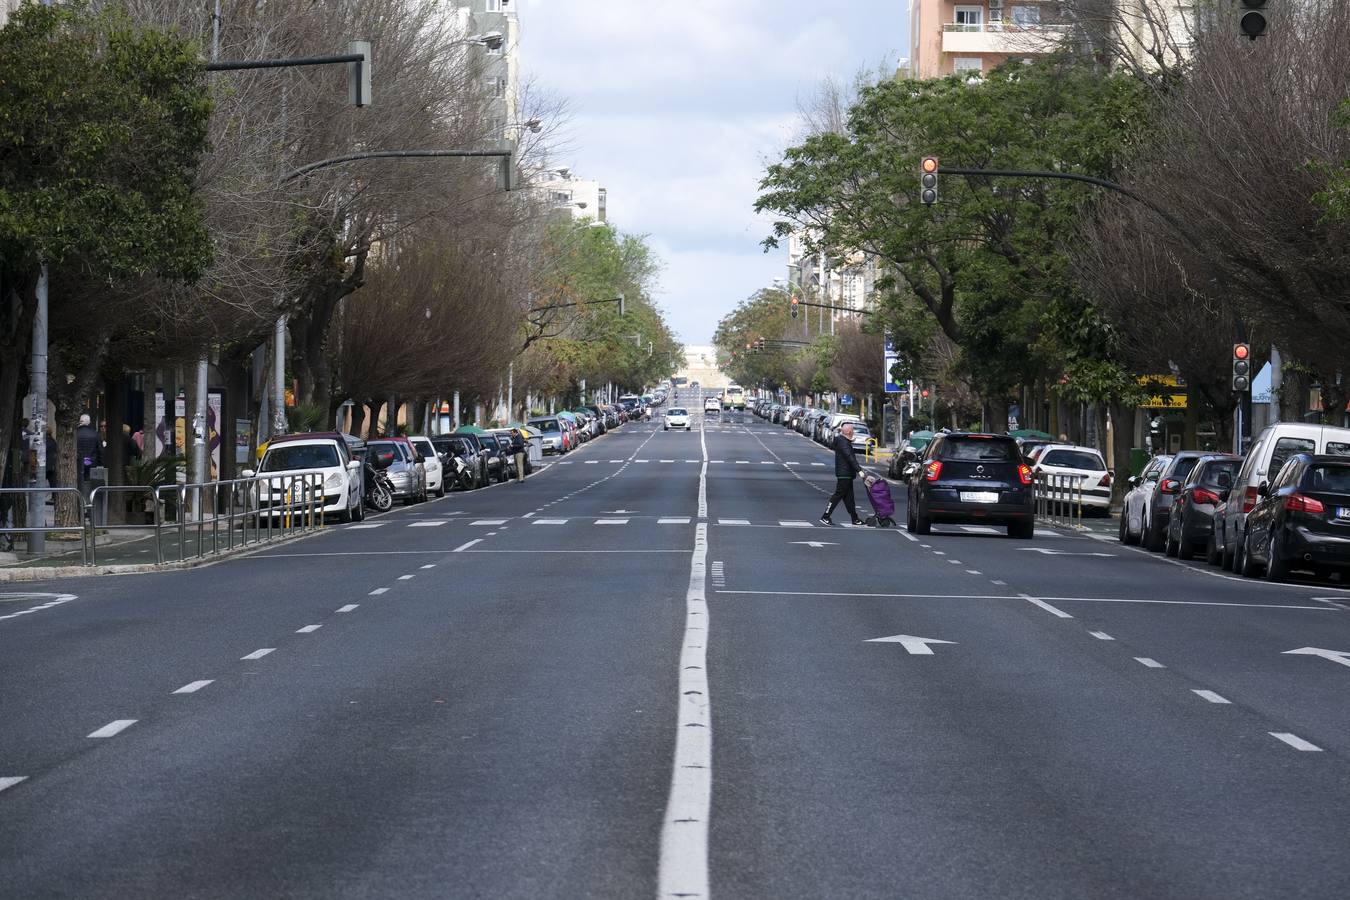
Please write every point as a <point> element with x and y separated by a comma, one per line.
<point>843,491</point>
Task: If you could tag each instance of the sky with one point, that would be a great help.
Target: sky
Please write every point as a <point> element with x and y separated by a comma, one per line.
<point>676,108</point>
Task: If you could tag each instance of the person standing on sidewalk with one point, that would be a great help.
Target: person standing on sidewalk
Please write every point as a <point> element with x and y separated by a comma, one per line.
<point>846,468</point>
<point>518,451</point>
<point>88,450</point>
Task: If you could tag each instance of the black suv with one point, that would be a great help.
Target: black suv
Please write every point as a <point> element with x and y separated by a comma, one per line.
<point>976,479</point>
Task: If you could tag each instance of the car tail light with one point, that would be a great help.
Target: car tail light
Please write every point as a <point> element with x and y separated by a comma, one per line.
<point>1200,495</point>
<point>1024,473</point>
<point>1249,500</point>
<point>1106,480</point>
<point>1169,486</point>
<point>1303,504</point>
<point>933,470</point>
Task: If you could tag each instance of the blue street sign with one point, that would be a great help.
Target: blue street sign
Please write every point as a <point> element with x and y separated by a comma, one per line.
<point>890,357</point>
<point>846,399</point>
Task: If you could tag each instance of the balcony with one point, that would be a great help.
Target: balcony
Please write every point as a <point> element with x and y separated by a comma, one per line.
<point>1007,38</point>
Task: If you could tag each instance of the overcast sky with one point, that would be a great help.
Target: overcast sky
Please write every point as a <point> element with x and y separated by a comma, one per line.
<point>675,108</point>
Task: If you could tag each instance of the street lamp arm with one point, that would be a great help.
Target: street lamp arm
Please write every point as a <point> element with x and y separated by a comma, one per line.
<point>836,308</point>
<point>618,300</point>
<point>504,155</point>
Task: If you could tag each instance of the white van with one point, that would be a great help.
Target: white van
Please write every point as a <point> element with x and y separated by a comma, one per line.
<point>1263,462</point>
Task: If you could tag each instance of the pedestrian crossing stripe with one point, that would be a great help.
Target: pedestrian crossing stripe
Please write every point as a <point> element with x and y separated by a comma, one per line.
<point>674,520</point>
<point>789,523</point>
<point>733,521</point>
<point>611,521</point>
<point>429,523</point>
<point>489,522</point>
<point>550,521</point>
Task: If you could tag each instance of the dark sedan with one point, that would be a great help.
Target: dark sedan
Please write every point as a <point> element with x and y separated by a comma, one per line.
<point>1190,526</point>
<point>1301,521</point>
<point>973,478</point>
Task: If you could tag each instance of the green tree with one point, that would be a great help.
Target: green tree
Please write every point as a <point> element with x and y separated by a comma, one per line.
<point>102,125</point>
<point>987,263</point>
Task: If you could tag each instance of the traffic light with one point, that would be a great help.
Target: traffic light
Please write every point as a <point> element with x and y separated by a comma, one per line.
<point>796,307</point>
<point>1242,367</point>
<point>928,180</point>
<point>1252,20</point>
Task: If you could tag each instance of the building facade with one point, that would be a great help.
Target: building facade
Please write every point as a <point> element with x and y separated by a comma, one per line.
<point>949,36</point>
<point>7,7</point>
<point>845,283</point>
<point>500,60</point>
<point>580,197</point>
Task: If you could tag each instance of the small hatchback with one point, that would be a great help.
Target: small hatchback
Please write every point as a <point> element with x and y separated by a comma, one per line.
<point>677,417</point>
<point>973,478</point>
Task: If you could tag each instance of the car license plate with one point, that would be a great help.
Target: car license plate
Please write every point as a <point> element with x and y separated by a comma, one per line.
<point>1343,512</point>
<point>979,497</point>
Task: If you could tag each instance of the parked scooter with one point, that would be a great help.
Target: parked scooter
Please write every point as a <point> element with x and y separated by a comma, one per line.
<point>379,490</point>
<point>463,475</point>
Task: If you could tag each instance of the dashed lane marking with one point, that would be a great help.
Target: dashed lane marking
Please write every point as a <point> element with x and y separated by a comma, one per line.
<point>365,526</point>
<point>733,521</point>
<point>792,523</point>
<point>674,520</point>
<point>1209,695</point>
<point>113,728</point>
<point>378,591</point>
<point>1295,741</point>
<point>611,521</point>
<point>308,629</point>
<point>1149,663</point>
<point>429,523</point>
<point>1101,635</point>
<point>193,687</point>
<point>550,521</point>
<point>488,522</point>
<point>1036,601</point>
<point>258,654</point>
<point>348,608</point>
<point>9,781</point>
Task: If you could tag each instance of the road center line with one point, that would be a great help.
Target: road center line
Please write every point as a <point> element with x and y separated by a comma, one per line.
<point>308,629</point>
<point>683,869</point>
<point>258,654</point>
<point>1209,695</point>
<point>348,608</point>
<point>378,591</point>
<point>193,687</point>
<point>1295,741</point>
<point>1149,663</point>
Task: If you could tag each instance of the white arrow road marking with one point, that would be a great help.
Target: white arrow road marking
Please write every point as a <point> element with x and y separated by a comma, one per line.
<point>1336,656</point>
<point>1048,552</point>
<point>916,646</point>
<point>816,544</point>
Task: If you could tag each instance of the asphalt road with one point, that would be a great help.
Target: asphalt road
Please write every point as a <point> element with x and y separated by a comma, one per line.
<point>648,671</point>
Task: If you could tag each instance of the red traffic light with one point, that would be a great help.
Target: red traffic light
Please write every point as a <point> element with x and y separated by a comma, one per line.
<point>1241,351</point>
<point>930,164</point>
<point>925,393</point>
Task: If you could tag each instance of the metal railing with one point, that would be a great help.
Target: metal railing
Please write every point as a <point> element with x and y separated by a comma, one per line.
<point>39,495</point>
<point>1059,499</point>
<point>189,521</point>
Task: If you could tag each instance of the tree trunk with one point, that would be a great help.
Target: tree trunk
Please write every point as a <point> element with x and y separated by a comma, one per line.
<point>358,418</point>
<point>1122,439</point>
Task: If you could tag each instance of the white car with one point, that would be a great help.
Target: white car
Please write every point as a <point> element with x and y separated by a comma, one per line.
<point>431,460</point>
<point>712,405</point>
<point>325,457</point>
<point>1078,472</point>
<point>677,417</point>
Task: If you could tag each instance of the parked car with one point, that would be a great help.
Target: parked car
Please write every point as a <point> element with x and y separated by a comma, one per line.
<point>1134,507</point>
<point>1190,527</point>
<point>431,460</point>
<point>973,478</point>
<point>405,470</point>
<point>552,430</point>
<point>677,417</point>
<point>498,456</point>
<point>466,448</point>
<point>326,454</point>
<point>861,435</point>
<point>1301,519</point>
<point>1267,455</point>
<point>1031,446</point>
<point>1080,470</point>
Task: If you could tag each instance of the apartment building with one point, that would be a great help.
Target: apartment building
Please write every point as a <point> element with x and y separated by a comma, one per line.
<point>844,282</point>
<point>7,7</point>
<point>948,36</point>
<point>580,197</point>
<point>500,59</point>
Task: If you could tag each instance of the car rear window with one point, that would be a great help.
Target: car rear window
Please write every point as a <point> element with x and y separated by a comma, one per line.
<point>980,450</point>
<point>1073,459</point>
<point>1286,447</point>
<point>1329,478</point>
<point>1210,476</point>
<point>303,456</point>
<point>549,426</point>
<point>1183,467</point>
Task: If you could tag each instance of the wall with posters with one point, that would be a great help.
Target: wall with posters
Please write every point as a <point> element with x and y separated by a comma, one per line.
<point>213,412</point>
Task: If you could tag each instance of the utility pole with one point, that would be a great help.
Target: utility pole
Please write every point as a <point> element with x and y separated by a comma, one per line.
<point>37,503</point>
<point>279,378</point>
<point>511,391</point>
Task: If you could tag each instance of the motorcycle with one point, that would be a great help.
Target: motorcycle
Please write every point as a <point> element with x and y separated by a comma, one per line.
<point>462,473</point>
<point>379,490</point>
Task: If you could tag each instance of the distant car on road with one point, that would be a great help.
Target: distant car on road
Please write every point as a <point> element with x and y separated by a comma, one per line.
<point>677,417</point>
<point>973,478</point>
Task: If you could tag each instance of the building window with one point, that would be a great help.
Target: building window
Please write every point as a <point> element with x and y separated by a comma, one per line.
<point>1026,15</point>
<point>968,64</point>
<point>970,18</point>
<point>494,5</point>
<point>496,86</point>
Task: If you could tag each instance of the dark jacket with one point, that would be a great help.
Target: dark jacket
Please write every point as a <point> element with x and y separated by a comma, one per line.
<point>88,447</point>
<point>517,444</point>
<point>845,461</point>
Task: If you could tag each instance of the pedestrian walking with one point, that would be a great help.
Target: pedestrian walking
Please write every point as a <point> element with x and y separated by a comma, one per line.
<point>518,451</point>
<point>88,448</point>
<point>846,468</point>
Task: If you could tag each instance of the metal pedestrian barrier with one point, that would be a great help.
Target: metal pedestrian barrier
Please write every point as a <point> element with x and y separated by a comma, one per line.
<point>186,521</point>
<point>17,511</point>
<point>1059,499</point>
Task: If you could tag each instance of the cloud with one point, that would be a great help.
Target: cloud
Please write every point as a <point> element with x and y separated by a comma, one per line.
<point>676,109</point>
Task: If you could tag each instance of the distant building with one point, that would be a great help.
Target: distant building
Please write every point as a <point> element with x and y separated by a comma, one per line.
<point>845,282</point>
<point>500,59</point>
<point>7,7</point>
<point>581,198</point>
<point>947,36</point>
